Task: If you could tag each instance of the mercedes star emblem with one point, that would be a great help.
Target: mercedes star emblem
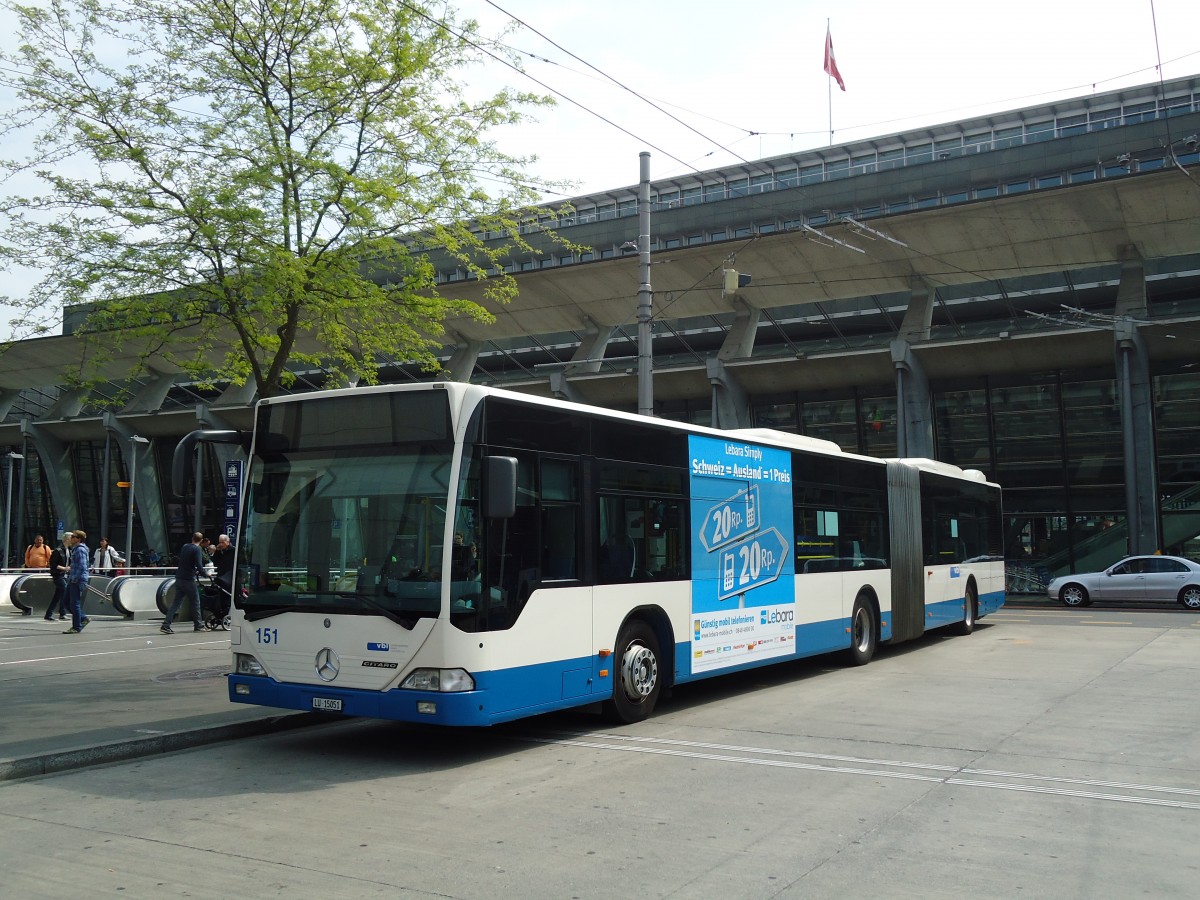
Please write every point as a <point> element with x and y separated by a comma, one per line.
<point>328,664</point>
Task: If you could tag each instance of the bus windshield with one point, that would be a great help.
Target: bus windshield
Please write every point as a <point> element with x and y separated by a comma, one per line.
<point>350,520</point>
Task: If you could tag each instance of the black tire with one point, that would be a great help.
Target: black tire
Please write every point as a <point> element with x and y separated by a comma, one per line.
<point>970,612</point>
<point>864,632</point>
<point>1074,595</point>
<point>637,674</point>
<point>1189,597</point>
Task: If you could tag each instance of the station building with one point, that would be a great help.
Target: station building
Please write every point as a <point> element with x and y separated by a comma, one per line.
<point>1017,293</point>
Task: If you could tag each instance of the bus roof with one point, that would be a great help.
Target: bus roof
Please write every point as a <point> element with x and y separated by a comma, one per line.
<point>759,435</point>
<point>942,468</point>
<point>786,438</point>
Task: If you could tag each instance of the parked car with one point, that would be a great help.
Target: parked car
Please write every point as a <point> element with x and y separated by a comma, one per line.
<point>1148,578</point>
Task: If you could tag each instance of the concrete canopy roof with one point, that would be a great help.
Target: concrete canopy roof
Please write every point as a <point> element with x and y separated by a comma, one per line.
<point>1148,216</point>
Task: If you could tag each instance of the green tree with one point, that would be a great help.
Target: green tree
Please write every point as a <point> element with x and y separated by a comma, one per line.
<point>240,186</point>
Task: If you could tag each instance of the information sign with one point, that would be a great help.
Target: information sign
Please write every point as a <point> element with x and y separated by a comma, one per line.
<point>233,495</point>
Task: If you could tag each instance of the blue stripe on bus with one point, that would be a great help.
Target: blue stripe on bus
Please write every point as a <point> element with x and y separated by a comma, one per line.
<point>989,603</point>
<point>552,686</point>
<point>469,708</point>
<point>938,615</point>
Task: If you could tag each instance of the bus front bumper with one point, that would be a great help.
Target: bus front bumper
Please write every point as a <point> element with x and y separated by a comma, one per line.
<point>461,708</point>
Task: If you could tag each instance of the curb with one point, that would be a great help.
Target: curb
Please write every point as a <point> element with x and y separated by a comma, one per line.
<point>119,751</point>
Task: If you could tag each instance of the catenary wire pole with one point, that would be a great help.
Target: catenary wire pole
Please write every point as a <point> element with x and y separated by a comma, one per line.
<point>645,295</point>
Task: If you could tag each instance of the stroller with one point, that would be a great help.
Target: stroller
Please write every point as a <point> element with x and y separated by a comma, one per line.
<point>215,599</point>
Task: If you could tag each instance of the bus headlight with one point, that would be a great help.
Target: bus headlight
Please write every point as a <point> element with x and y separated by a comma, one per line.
<point>245,664</point>
<point>445,681</point>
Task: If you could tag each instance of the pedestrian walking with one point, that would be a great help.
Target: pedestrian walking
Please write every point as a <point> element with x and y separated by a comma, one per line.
<point>37,554</point>
<point>77,580</point>
<point>222,558</point>
<point>191,566</point>
<point>60,567</point>
<point>107,559</point>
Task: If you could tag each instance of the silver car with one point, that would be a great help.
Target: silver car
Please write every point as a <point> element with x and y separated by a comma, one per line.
<point>1148,578</point>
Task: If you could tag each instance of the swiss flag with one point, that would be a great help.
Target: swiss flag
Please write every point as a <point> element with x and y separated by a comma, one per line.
<point>831,63</point>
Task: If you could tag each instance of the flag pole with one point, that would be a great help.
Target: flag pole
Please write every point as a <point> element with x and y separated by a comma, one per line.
<point>829,87</point>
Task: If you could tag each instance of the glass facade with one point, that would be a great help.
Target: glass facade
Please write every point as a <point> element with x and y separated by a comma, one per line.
<point>1052,440</point>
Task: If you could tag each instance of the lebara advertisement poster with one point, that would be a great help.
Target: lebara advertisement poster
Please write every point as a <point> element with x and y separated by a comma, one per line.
<point>743,594</point>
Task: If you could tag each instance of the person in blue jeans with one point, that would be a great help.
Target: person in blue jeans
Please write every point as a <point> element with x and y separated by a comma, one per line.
<point>191,565</point>
<point>77,580</point>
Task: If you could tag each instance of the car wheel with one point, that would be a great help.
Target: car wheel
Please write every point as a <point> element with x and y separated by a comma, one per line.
<point>1074,595</point>
<point>1190,597</point>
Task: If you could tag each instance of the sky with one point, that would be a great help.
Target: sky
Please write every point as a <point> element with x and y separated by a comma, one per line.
<point>750,79</point>
<point>727,81</point>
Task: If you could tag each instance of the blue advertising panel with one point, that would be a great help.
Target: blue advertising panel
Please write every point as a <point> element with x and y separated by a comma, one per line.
<point>743,591</point>
<point>233,495</point>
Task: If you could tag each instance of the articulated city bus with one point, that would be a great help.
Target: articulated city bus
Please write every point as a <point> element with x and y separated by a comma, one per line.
<point>454,554</point>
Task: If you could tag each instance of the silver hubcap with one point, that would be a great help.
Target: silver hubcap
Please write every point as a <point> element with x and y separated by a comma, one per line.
<point>1191,599</point>
<point>862,631</point>
<point>1072,597</point>
<point>639,672</point>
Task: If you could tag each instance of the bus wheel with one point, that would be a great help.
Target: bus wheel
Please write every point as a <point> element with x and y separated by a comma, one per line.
<point>637,681</point>
<point>970,612</point>
<point>864,632</point>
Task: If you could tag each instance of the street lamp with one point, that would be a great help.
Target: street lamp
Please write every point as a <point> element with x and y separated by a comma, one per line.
<point>134,440</point>
<point>12,464</point>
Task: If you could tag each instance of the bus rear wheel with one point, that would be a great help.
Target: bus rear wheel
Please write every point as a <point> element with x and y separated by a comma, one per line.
<point>637,681</point>
<point>864,632</point>
<point>970,612</point>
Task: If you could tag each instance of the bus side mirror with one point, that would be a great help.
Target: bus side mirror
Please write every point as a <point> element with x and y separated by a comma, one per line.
<point>270,447</point>
<point>499,487</point>
<point>268,493</point>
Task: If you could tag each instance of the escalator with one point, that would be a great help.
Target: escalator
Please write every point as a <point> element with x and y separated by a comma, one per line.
<point>1096,551</point>
<point>1180,524</point>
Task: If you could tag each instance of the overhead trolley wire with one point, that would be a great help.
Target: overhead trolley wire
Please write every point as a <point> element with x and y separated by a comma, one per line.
<point>619,84</point>
<point>542,84</point>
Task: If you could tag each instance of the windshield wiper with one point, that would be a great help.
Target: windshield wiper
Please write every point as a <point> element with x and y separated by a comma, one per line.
<point>407,622</point>
<point>254,615</point>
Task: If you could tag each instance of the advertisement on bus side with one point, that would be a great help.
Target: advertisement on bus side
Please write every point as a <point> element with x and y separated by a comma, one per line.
<point>743,594</point>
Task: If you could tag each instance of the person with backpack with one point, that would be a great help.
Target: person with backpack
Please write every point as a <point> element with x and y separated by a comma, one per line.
<point>37,554</point>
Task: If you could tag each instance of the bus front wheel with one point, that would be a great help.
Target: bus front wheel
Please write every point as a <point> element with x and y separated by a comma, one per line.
<point>864,632</point>
<point>637,681</point>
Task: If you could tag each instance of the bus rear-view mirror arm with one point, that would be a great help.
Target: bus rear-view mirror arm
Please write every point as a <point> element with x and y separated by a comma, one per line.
<point>181,462</point>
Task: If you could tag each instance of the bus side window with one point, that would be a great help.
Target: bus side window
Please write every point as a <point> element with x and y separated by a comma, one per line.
<point>561,513</point>
<point>618,555</point>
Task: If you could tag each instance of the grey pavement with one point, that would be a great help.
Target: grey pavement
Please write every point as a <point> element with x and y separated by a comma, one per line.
<point>122,690</point>
<point>119,690</point>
